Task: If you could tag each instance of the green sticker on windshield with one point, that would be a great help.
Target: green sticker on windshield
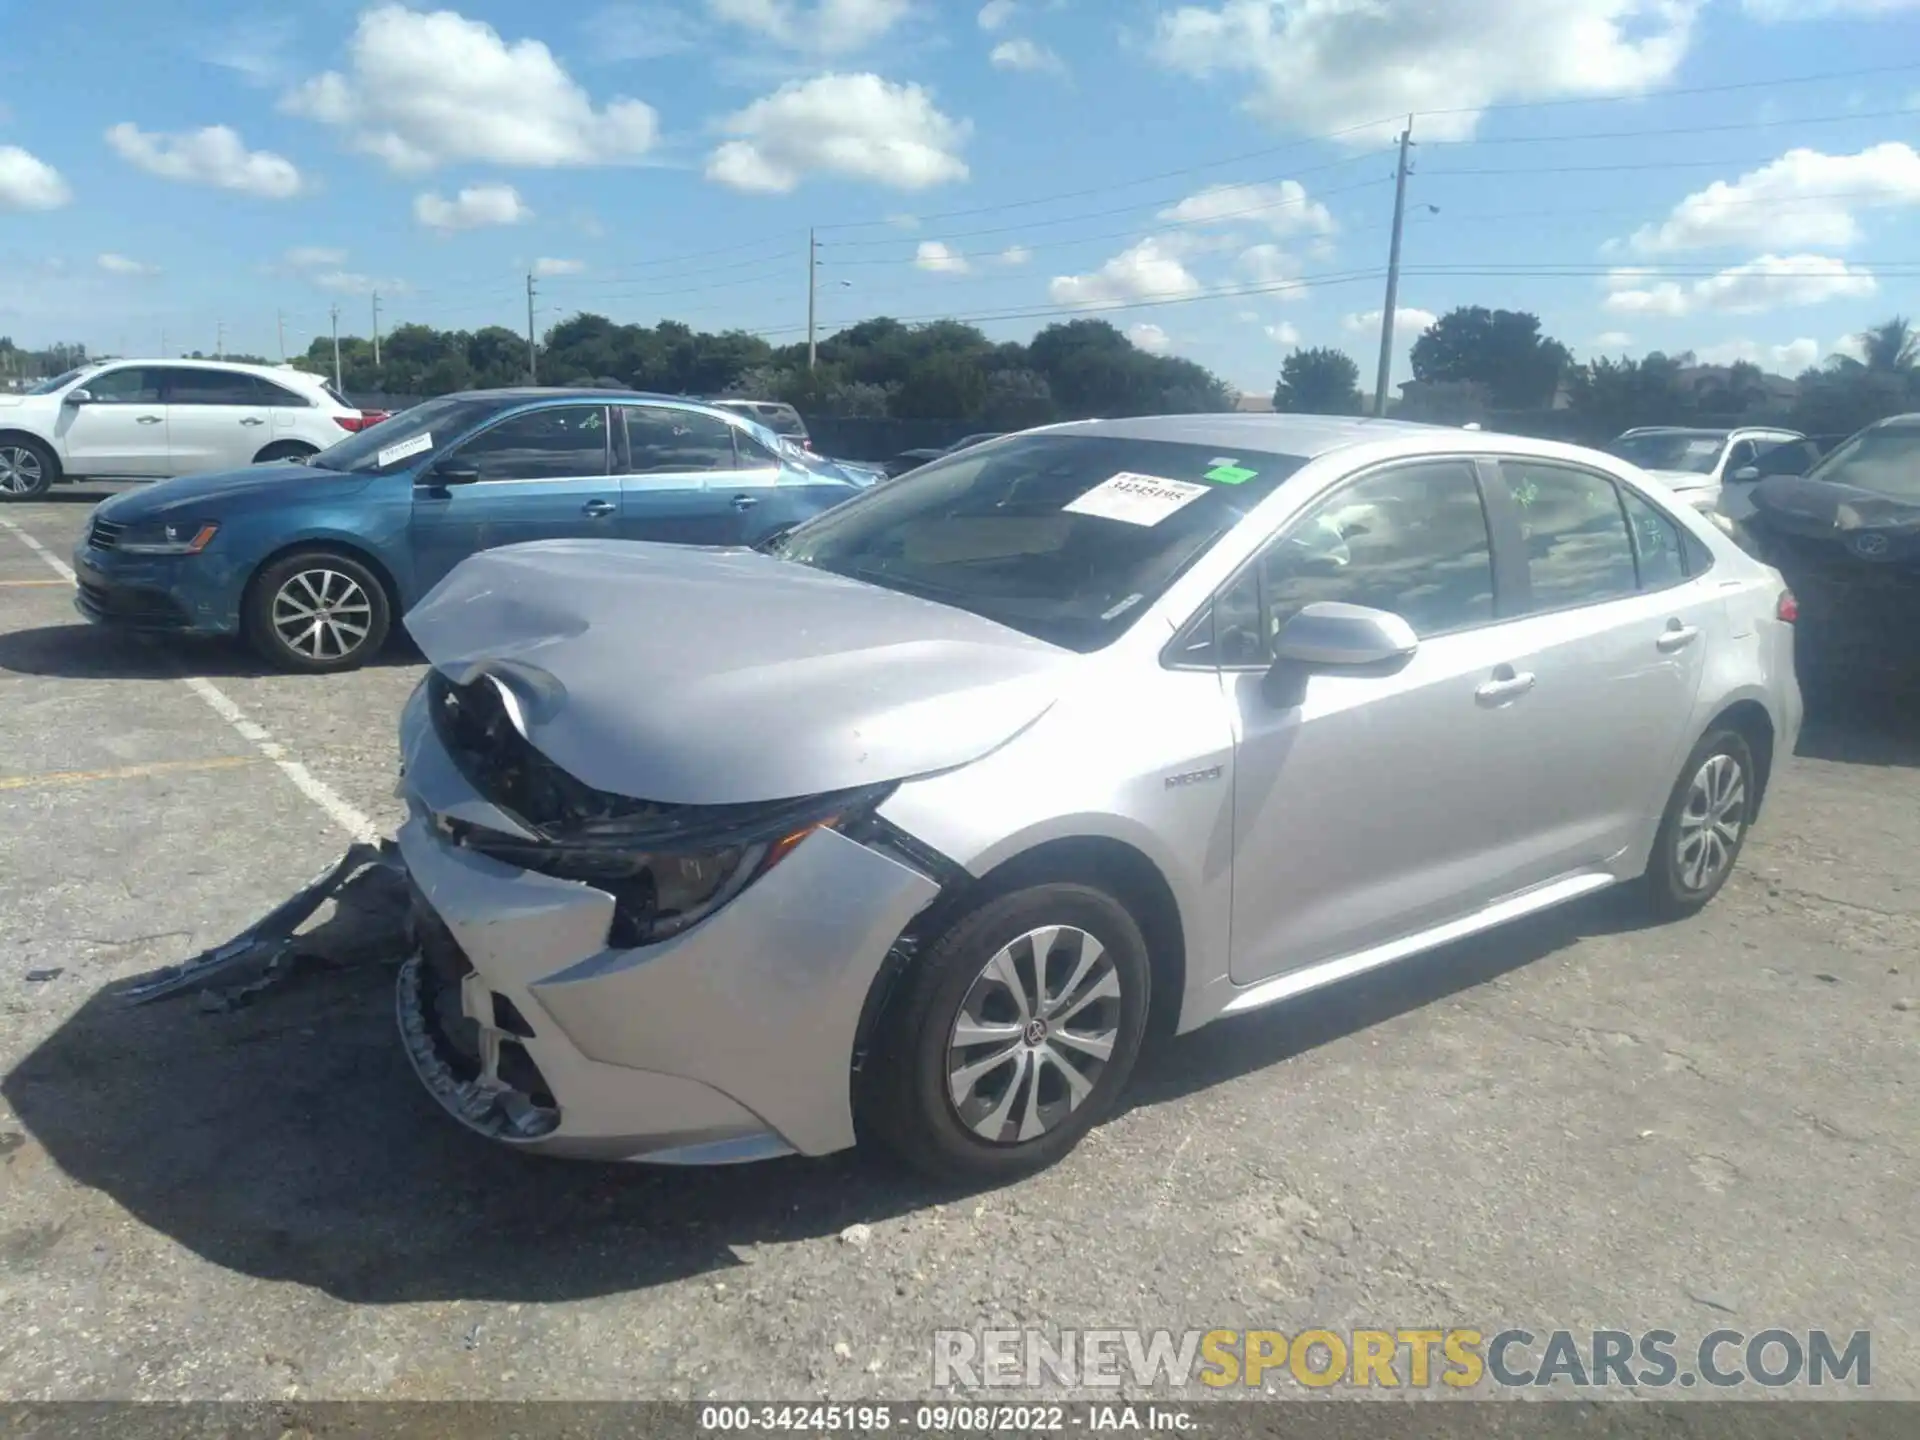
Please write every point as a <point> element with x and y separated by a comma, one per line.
<point>1230,474</point>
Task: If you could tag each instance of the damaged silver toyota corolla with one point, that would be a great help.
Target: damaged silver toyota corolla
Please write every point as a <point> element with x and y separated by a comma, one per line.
<point>916,822</point>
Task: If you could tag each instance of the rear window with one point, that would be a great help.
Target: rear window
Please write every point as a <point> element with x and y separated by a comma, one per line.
<point>1885,461</point>
<point>1065,538</point>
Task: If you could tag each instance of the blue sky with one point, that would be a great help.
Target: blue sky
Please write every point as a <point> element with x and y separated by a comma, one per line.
<point>1733,176</point>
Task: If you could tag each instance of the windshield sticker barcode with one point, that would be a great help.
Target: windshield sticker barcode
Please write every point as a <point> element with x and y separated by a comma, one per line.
<point>1136,499</point>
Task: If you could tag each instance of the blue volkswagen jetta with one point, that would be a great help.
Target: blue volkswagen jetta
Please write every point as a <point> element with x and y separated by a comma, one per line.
<point>312,560</point>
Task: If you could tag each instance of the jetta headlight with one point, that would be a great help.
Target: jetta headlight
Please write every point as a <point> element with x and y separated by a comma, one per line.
<point>174,537</point>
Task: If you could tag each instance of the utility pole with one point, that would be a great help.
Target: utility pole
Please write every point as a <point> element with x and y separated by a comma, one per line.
<point>813,281</point>
<point>219,339</point>
<point>280,321</point>
<point>376,329</point>
<point>1393,274</point>
<point>334,315</point>
<point>533,351</point>
<point>164,353</point>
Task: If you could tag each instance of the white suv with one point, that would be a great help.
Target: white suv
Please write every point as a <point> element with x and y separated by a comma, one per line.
<point>148,419</point>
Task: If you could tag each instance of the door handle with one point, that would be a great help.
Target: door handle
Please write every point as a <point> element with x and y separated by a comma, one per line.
<point>147,420</point>
<point>745,502</point>
<point>597,508</point>
<point>1506,684</point>
<point>252,420</point>
<point>1677,636</point>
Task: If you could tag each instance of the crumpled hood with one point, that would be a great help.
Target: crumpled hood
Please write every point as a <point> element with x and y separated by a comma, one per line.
<point>1683,479</point>
<point>712,677</point>
<point>204,494</point>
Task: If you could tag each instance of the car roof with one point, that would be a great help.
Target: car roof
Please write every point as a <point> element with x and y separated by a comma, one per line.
<point>1301,435</point>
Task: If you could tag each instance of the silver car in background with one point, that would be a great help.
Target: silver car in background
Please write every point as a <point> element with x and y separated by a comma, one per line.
<point>917,824</point>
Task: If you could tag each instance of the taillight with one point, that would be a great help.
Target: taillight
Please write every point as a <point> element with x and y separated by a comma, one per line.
<point>1787,609</point>
<point>362,421</point>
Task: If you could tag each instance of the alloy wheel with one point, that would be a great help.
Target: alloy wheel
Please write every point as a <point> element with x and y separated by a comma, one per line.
<point>322,614</point>
<point>1033,1035</point>
<point>20,470</point>
<point>1712,822</point>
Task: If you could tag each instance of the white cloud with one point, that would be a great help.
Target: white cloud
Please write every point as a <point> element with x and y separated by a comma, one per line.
<point>1285,333</point>
<point>1788,359</point>
<point>121,265</point>
<point>1146,271</point>
<point>1803,198</point>
<point>1270,265</point>
<point>934,256</point>
<point>1333,64</point>
<point>1408,321</point>
<point>547,266</point>
<point>214,156</point>
<point>995,14</point>
<point>1015,255</point>
<point>427,89</point>
<point>1613,340</point>
<point>1282,208</point>
<point>830,27</point>
<point>1025,55</point>
<point>311,257</point>
<point>29,183</point>
<point>1150,338</point>
<point>350,282</point>
<point>857,126</point>
<point>1772,282</point>
<point>1850,346</point>
<point>473,207</point>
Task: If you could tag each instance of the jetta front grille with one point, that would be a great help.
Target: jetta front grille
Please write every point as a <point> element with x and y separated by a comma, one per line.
<point>105,535</point>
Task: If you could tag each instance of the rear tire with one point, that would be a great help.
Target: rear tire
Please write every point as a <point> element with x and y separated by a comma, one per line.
<point>285,450</point>
<point>316,612</point>
<point>1013,1037</point>
<point>28,469</point>
<point>1706,824</point>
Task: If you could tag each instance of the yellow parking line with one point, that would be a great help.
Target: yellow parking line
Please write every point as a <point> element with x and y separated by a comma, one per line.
<point>126,772</point>
<point>34,582</point>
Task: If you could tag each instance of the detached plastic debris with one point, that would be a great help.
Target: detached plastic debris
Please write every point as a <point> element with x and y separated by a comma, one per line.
<point>269,942</point>
<point>40,977</point>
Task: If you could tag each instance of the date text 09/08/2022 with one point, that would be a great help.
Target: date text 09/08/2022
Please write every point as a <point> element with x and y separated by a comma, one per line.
<point>937,1419</point>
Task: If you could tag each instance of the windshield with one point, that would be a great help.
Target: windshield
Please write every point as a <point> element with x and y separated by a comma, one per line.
<point>1694,451</point>
<point>1065,538</point>
<point>58,382</point>
<point>1885,461</point>
<point>408,439</point>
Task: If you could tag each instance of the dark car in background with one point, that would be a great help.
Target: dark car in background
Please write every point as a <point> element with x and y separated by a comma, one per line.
<point>913,459</point>
<point>1846,535</point>
<point>312,561</point>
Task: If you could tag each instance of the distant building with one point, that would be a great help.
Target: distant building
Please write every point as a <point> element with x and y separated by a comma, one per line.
<point>1249,404</point>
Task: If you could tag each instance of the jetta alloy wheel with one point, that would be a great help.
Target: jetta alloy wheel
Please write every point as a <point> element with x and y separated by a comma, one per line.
<point>322,614</point>
<point>1033,1034</point>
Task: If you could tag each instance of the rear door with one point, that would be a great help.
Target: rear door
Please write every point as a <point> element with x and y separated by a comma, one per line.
<point>293,414</point>
<point>679,476</point>
<point>1616,637</point>
<point>544,475</point>
<point>122,430</point>
<point>216,419</point>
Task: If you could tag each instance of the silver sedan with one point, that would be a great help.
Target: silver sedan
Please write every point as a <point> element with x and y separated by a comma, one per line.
<point>917,823</point>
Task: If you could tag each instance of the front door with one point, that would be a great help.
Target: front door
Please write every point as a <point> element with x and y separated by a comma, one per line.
<point>543,475</point>
<point>1617,638</point>
<point>1362,803</point>
<point>122,430</point>
<point>216,419</point>
<point>680,477</point>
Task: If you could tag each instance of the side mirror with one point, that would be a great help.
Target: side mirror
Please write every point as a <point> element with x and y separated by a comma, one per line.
<point>1332,635</point>
<point>1746,474</point>
<point>453,472</point>
<point>79,395</point>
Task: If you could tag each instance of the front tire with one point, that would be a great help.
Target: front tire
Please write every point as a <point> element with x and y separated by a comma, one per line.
<point>1013,1037</point>
<point>285,450</point>
<point>316,612</point>
<point>1707,820</point>
<point>28,469</point>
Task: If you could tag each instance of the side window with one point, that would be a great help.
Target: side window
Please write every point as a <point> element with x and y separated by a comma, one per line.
<point>563,443</point>
<point>752,454</point>
<point>676,442</point>
<point>1578,548</point>
<point>1411,540</point>
<point>128,386</point>
<point>1742,454</point>
<point>211,387</point>
<point>1657,544</point>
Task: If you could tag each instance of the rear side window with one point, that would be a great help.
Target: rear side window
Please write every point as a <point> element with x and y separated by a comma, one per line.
<point>1579,550</point>
<point>662,441</point>
<point>1657,544</point>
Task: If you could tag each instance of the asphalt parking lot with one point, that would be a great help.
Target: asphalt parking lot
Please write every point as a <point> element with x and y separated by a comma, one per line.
<point>1577,1123</point>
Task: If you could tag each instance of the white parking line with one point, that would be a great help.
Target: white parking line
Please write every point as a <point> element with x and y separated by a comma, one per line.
<point>222,704</point>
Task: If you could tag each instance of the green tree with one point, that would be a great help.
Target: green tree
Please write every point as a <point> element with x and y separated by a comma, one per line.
<point>1320,381</point>
<point>1891,347</point>
<point>1613,395</point>
<point>1500,349</point>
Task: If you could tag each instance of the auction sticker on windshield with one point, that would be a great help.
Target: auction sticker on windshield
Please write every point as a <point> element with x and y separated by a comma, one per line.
<point>1136,499</point>
<point>395,453</point>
